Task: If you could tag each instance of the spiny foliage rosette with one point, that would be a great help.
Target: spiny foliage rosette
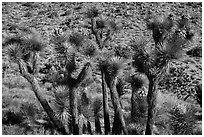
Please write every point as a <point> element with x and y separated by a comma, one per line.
<point>92,12</point>
<point>170,41</point>
<point>62,104</point>
<point>23,44</point>
<point>112,67</point>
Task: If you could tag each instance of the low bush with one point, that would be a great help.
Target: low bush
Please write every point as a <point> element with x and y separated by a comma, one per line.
<point>12,81</point>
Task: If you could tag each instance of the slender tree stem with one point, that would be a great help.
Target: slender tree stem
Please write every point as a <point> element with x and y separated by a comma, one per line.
<point>97,125</point>
<point>151,101</point>
<point>105,106</point>
<point>117,125</point>
<point>96,34</point>
<point>74,111</point>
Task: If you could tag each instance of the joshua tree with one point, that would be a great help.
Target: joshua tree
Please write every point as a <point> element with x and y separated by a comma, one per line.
<point>66,48</point>
<point>169,45</point>
<point>105,101</point>
<point>23,49</point>
<point>103,30</point>
<point>111,69</point>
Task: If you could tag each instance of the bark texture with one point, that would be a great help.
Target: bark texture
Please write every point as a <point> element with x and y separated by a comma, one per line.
<point>151,101</point>
<point>117,125</point>
<point>105,106</point>
<point>97,125</point>
<point>74,111</point>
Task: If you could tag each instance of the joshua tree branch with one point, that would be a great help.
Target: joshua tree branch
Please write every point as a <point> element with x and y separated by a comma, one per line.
<point>83,73</point>
<point>105,105</point>
<point>37,90</point>
<point>108,37</point>
<point>116,104</point>
<point>96,33</point>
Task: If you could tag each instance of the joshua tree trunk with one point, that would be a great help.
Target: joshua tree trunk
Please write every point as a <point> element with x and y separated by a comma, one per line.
<point>117,125</point>
<point>74,111</point>
<point>133,102</point>
<point>116,104</point>
<point>151,101</point>
<point>199,94</point>
<point>96,34</point>
<point>89,127</point>
<point>81,124</point>
<point>105,106</point>
<point>97,125</point>
<point>36,89</point>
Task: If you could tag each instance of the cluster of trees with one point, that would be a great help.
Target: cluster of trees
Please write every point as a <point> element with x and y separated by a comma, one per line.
<point>96,56</point>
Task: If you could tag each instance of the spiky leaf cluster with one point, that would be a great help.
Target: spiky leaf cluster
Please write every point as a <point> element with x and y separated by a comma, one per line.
<point>112,67</point>
<point>89,48</point>
<point>92,12</point>
<point>59,39</point>
<point>65,52</point>
<point>33,40</point>
<point>100,23</point>
<point>61,102</point>
<point>12,39</point>
<point>160,26</point>
<point>29,109</point>
<point>121,86</point>
<point>70,62</point>
<point>14,52</point>
<point>182,120</point>
<point>113,25</point>
<point>76,39</point>
<point>138,81</point>
<point>170,41</point>
<point>161,22</point>
<point>123,51</point>
<point>141,57</point>
<point>23,44</point>
<point>171,48</point>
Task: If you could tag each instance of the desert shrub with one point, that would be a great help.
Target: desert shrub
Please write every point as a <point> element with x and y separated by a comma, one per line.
<point>18,95</point>
<point>181,79</point>
<point>19,130</point>
<point>175,116</point>
<point>6,99</point>
<point>53,15</point>
<point>28,14</point>
<point>15,82</point>
<point>135,129</point>
<point>20,100</point>
<point>29,109</point>
<point>12,130</point>
<point>12,118</point>
<point>182,120</point>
